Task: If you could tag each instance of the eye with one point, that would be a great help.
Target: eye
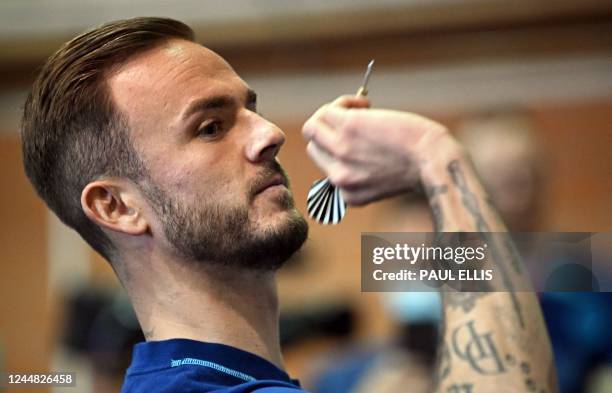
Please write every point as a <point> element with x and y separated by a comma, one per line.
<point>210,129</point>
<point>251,102</point>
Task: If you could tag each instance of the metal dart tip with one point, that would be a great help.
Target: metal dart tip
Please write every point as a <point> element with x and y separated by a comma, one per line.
<point>363,90</point>
<point>366,77</point>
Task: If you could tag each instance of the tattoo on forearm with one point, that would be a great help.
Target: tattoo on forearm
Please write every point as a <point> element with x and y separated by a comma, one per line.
<point>460,388</point>
<point>529,383</point>
<point>480,352</point>
<point>468,344</point>
<point>515,257</point>
<point>467,197</point>
<point>436,209</point>
<point>444,363</point>
<point>464,300</point>
<point>477,349</point>
<point>471,204</point>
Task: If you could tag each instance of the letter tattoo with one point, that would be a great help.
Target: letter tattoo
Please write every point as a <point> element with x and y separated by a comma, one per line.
<point>477,349</point>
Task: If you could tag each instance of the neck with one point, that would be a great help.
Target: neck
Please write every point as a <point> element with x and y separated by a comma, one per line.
<point>176,299</point>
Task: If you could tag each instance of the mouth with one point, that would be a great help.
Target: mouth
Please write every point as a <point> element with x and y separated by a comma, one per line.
<point>274,181</point>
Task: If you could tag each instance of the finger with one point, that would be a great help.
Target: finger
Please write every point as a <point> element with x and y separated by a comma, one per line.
<point>310,126</point>
<point>357,197</point>
<point>320,133</point>
<point>323,159</point>
<point>351,101</point>
<point>343,102</point>
<point>335,116</point>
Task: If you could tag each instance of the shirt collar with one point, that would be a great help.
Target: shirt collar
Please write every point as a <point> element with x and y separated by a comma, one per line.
<point>157,355</point>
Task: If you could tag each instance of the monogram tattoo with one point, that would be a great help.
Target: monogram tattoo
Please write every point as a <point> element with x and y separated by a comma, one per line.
<point>477,349</point>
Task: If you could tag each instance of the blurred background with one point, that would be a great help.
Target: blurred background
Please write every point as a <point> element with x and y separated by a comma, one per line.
<point>526,85</point>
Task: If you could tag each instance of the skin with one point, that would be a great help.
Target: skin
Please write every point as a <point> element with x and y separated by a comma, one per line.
<point>210,154</point>
<point>489,339</point>
<point>370,154</point>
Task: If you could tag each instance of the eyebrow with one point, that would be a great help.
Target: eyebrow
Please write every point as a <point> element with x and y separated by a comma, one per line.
<point>216,102</point>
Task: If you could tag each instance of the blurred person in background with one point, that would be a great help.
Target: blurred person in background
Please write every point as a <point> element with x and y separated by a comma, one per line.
<point>407,357</point>
<point>151,147</point>
<point>511,161</point>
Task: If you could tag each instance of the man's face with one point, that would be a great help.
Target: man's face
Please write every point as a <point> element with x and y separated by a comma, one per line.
<point>213,181</point>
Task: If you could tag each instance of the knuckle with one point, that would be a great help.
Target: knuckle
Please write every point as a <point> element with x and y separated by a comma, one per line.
<point>309,129</point>
<point>342,150</point>
<point>345,138</point>
<point>320,112</point>
<point>351,126</point>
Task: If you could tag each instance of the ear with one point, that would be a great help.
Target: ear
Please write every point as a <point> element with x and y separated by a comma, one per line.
<point>113,205</point>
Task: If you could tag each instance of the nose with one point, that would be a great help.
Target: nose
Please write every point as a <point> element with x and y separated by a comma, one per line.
<point>266,140</point>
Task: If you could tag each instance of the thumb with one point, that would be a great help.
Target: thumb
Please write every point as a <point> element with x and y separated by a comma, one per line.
<point>351,101</point>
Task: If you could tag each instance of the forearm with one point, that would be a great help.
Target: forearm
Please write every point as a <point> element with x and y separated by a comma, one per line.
<point>494,340</point>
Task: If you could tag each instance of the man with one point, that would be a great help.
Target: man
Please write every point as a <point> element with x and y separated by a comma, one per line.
<point>150,146</point>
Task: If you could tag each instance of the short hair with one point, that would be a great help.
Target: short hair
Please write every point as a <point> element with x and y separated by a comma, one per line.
<point>71,131</point>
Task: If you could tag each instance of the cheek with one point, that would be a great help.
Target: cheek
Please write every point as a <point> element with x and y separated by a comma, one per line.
<point>197,179</point>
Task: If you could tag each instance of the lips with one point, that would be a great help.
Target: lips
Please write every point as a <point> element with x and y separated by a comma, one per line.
<point>276,180</point>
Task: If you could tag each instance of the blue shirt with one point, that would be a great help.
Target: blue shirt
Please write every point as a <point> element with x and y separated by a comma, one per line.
<point>181,365</point>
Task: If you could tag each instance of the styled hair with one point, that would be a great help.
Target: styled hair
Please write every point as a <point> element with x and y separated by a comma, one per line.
<point>72,132</point>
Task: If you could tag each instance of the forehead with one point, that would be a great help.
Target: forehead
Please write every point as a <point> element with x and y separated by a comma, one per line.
<point>164,79</point>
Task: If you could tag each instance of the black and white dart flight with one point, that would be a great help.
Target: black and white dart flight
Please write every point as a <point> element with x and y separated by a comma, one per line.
<point>325,203</point>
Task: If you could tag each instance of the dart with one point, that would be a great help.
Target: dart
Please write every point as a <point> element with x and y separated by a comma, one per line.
<point>325,203</point>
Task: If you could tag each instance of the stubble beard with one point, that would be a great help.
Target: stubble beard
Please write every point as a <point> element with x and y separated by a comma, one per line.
<point>220,234</point>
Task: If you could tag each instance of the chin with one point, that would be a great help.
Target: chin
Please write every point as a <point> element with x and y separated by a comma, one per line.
<point>273,204</point>
<point>275,218</point>
<point>277,238</point>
